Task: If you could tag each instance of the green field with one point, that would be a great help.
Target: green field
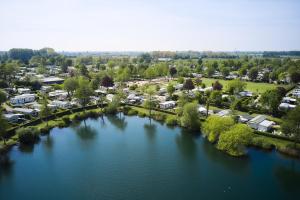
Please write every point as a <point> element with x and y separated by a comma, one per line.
<point>251,86</point>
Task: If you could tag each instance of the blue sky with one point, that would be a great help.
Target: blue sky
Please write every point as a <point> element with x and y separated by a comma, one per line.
<point>146,25</point>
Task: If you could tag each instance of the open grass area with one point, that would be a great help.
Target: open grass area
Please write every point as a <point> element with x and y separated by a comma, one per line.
<point>251,86</point>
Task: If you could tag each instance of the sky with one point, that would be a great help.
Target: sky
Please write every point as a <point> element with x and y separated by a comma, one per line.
<point>149,25</point>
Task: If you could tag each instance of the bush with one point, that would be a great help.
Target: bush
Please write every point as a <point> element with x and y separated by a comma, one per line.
<point>66,119</point>
<point>171,120</point>
<point>159,117</point>
<point>126,109</point>
<point>132,112</point>
<point>141,114</point>
<point>261,142</point>
<point>61,124</point>
<point>28,135</point>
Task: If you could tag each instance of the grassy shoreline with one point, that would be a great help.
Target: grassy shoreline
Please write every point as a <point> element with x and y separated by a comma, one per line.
<point>258,140</point>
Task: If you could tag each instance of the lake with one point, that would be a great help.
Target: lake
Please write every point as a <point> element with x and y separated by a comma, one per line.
<point>129,158</point>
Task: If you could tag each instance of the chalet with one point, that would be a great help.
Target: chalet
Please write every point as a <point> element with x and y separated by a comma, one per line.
<point>289,100</point>
<point>26,111</point>
<point>58,94</point>
<point>286,106</point>
<point>110,97</point>
<point>224,113</point>
<point>21,99</point>
<point>245,118</point>
<point>62,104</point>
<point>167,105</point>
<point>265,126</point>
<point>46,88</point>
<point>253,123</point>
<point>260,123</point>
<point>14,118</point>
<point>52,80</point>
<point>245,94</point>
<point>24,90</point>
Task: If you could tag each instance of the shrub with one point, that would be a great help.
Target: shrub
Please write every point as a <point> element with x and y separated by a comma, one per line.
<point>171,120</point>
<point>126,109</point>
<point>159,117</point>
<point>141,114</point>
<point>132,112</point>
<point>28,135</point>
<point>66,119</point>
<point>261,142</point>
<point>61,124</point>
<point>234,140</point>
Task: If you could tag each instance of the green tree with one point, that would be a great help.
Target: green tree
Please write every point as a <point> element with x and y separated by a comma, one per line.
<point>149,103</point>
<point>188,85</point>
<point>253,72</point>
<point>45,110</point>
<point>216,97</point>
<point>291,124</point>
<point>170,89</point>
<point>271,100</point>
<point>84,91</point>
<point>3,97</point>
<point>190,116</point>
<point>150,73</point>
<point>215,125</point>
<point>3,127</point>
<point>234,140</point>
<point>70,85</point>
<point>236,86</point>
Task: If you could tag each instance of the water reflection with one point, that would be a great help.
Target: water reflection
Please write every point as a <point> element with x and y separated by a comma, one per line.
<point>288,178</point>
<point>186,144</point>
<point>119,122</point>
<point>6,166</point>
<point>237,165</point>
<point>150,130</point>
<point>86,132</point>
<point>26,148</point>
<point>48,142</point>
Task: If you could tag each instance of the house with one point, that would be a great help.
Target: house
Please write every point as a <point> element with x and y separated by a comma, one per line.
<point>110,97</point>
<point>246,94</point>
<point>24,90</point>
<point>101,92</point>
<point>253,123</point>
<point>167,104</point>
<point>14,118</point>
<point>178,87</point>
<point>46,88</point>
<point>203,111</point>
<point>132,98</point>
<point>289,100</point>
<point>61,104</point>
<point>265,125</point>
<point>52,80</point>
<point>162,91</point>
<point>58,94</point>
<point>21,99</point>
<point>26,111</point>
<point>245,118</point>
<point>224,113</point>
<point>286,106</point>
<point>296,92</point>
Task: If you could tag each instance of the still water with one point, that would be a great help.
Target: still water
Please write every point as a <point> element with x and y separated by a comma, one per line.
<point>129,158</point>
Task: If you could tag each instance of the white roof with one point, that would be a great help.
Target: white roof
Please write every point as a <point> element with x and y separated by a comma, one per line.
<point>168,102</point>
<point>266,123</point>
<point>258,119</point>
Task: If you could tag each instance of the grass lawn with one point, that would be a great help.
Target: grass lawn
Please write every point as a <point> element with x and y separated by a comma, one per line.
<point>251,86</point>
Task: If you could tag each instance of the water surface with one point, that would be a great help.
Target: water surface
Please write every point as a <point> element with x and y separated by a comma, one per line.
<point>129,158</point>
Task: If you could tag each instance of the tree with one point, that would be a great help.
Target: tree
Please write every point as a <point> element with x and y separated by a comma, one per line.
<point>3,97</point>
<point>70,85</point>
<point>172,71</point>
<point>84,91</point>
<point>215,125</point>
<point>188,84</point>
<point>271,100</point>
<point>190,116</point>
<point>149,103</point>
<point>107,81</point>
<point>291,124</point>
<point>234,140</point>
<point>170,89</point>
<point>236,86</point>
<point>45,110</point>
<point>198,82</point>
<point>28,135</point>
<point>210,71</point>
<point>3,127</point>
<point>253,73</point>
<point>180,80</point>
<point>295,76</point>
<point>216,97</point>
<point>83,70</point>
<point>217,86</point>
<point>150,73</point>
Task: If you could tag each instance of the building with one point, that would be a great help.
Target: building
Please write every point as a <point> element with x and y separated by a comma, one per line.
<point>21,99</point>
<point>58,94</point>
<point>110,97</point>
<point>46,88</point>
<point>52,80</point>
<point>265,126</point>
<point>26,111</point>
<point>289,100</point>
<point>167,105</point>
<point>286,106</point>
<point>224,113</point>
<point>61,104</point>
<point>14,118</point>
<point>24,90</point>
<point>246,94</point>
<point>253,123</point>
<point>245,118</point>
